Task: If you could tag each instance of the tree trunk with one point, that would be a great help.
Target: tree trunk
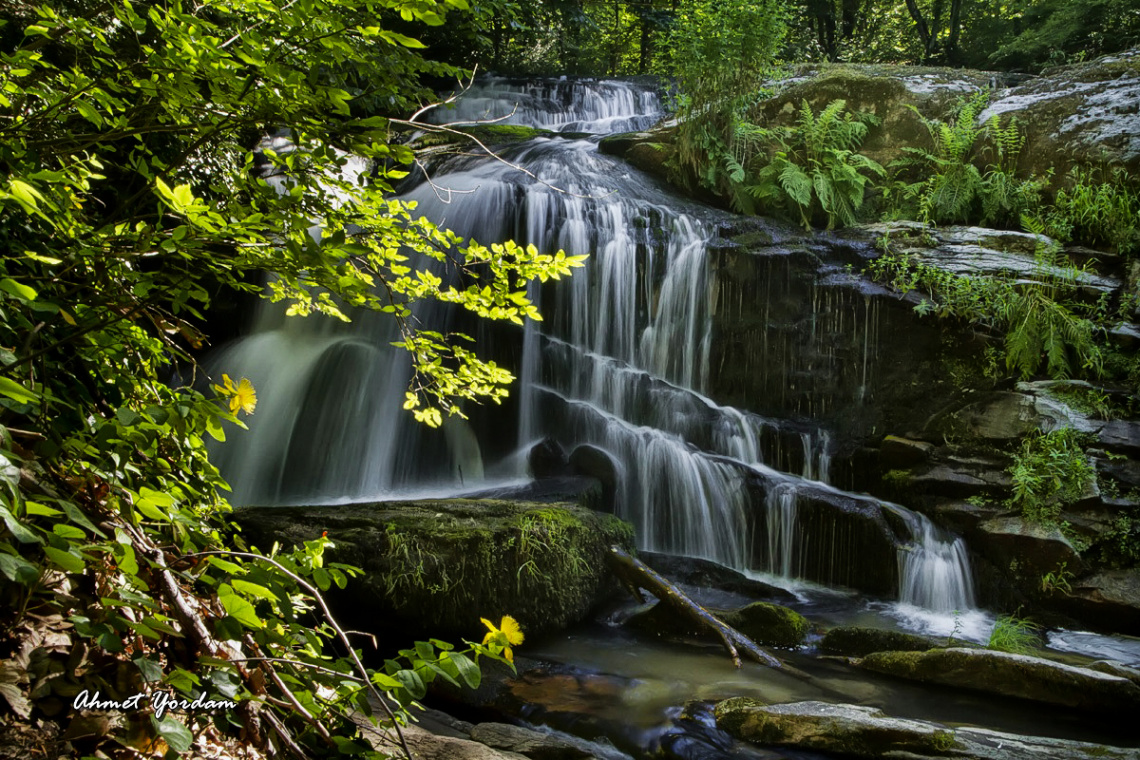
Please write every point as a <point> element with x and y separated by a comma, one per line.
<point>636,574</point>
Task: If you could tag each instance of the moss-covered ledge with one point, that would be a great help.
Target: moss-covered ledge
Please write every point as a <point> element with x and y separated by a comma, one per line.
<point>436,567</point>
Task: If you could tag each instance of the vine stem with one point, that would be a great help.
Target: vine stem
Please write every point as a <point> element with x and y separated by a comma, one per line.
<point>341,634</point>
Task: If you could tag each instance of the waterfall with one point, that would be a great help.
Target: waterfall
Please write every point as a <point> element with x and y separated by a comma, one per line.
<point>621,363</point>
<point>934,571</point>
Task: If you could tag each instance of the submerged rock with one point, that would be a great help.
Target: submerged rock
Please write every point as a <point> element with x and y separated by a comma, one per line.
<point>1011,675</point>
<point>860,731</point>
<point>438,566</point>
<point>857,641</point>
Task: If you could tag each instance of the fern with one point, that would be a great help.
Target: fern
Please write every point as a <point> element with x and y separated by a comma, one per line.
<point>817,169</point>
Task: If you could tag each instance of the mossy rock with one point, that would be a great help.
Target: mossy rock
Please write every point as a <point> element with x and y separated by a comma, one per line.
<point>437,567</point>
<point>488,134</point>
<point>857,641</point>
<point>1012,675</point>
<point>770,624</point>
<point>847,730</point>
<point>766,624</point>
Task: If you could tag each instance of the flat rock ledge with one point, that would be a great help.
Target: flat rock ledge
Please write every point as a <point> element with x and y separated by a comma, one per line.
<point>1012,675</point>
<point>861,731</point>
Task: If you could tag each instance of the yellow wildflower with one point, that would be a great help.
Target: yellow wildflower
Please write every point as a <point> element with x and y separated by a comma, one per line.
<point>506,634</point>
<point>242,395</point>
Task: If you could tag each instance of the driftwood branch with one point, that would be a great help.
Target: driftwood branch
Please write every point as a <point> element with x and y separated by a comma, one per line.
<point>636,574</point>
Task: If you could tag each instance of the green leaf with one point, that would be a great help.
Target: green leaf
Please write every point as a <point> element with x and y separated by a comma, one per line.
<point>470,672</point>
<point>18,569</point>
<point>150,669</point>
<point>174,732</point>
<point>253,589</point>
<point>68,560</point>
<point>18,530</point>
<point>14,390</point>
<point>239,609</point>
<point>17,289</point>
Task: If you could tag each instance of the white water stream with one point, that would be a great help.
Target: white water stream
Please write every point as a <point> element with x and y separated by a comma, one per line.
<point>621,362</point>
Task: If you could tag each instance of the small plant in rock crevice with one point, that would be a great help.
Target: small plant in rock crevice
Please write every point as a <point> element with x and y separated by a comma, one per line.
<point>1049,472</point>
<point>1013,634</point>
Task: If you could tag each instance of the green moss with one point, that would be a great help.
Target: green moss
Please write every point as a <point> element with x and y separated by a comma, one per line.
<point>856,641</point>
<point>503,133</point>
<point>770,624</point>
<point>445,564</point>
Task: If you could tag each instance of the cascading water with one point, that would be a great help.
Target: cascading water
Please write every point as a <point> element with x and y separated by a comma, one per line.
<point>621,363</point>
<point>934,571</point>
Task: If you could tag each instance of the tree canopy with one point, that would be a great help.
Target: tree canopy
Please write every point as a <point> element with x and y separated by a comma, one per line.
<point>133,194</point>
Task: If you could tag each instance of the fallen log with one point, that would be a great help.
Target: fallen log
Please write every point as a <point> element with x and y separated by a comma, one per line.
<point>635,574</point>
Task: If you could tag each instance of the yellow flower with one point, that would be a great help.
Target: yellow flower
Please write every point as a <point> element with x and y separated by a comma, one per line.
<point>509,626</point>
<point>506,635</point>
<point>242,396</point>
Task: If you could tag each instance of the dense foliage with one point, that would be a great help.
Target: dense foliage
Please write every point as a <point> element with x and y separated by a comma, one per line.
<point>132,196</point>
<point>626,37</point>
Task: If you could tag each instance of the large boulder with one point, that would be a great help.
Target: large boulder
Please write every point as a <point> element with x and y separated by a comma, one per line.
<point>841,729</point>
<point>1109,600</point>
<point>439,566</point>
<point>1012,675</point>
<point>1030,549</point>
<point>899,96</point>
<point>861,731</point>
<point>1087,113</point>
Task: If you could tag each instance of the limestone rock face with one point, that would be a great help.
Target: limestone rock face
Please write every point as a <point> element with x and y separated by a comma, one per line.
<point>1012,675</point>
<point>436,567</point>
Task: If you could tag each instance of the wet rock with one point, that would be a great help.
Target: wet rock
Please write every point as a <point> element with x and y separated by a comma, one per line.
<point>1121,436</point>
<point>1117,669</point>
<point>428,746</point>
<point>1011,675</point>
<point>766,624</point>
<point>592,462</point>
<point>857,641</point>
<point>546,459</point>
<point>1030,549</point>
<point>963,516</point>
<point>534,744</point>
<point>1108,600</point>
<point>956,479</point>
<point>903,452</point>
<point>1005,416</point>
<point>693,571</point>
<point>839,539</point>
<point>843,729</point>
<point>769,624</point>
<point>1085,113</point>
<point>436,567</point>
